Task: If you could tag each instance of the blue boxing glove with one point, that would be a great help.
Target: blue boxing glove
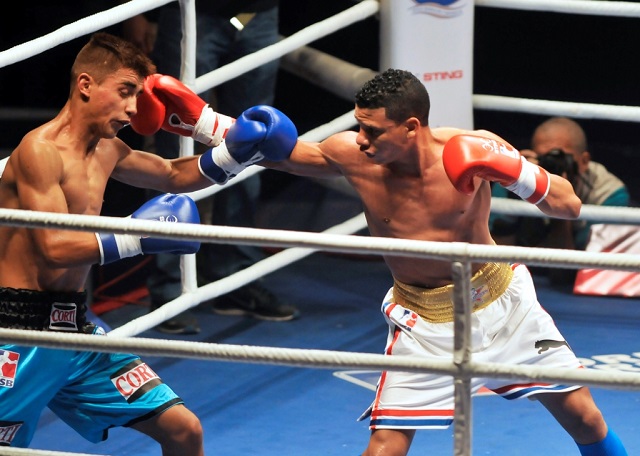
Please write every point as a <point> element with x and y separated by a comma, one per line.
<point>163,208</point>
<point>260,133</point>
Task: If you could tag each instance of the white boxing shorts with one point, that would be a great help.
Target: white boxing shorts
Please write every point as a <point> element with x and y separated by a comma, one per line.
<point>510,327</point>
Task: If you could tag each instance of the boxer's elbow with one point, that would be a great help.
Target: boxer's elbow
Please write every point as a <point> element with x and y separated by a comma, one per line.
<point>562,201</point>
<point>574,207</point>
<point>57,250</point>
<point>565,207</point>
<point>568,207</point>
<point>54,257</point>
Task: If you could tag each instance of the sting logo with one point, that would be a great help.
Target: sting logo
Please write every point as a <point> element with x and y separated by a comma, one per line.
<point>134,380</point>
<point>442,75</point>
<point>63,317</point>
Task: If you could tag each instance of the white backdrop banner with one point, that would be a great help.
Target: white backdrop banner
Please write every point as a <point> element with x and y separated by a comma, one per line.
<point>434,40</point>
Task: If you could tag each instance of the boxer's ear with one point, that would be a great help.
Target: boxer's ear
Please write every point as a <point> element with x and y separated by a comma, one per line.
<point>84,84</point>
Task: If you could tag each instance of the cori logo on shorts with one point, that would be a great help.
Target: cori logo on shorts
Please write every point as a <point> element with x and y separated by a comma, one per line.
<point>63,317</point>
<point>8,367</point>
<point>134,380</point>
<point>8,430</point>
<point>439,8</point>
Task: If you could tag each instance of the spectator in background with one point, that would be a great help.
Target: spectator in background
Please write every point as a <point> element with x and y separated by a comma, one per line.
<point>559,145</point>
<point>226,31</point>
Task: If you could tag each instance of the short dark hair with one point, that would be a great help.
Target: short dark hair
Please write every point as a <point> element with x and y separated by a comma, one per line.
<point>400,92</point>
<point>106,53</point>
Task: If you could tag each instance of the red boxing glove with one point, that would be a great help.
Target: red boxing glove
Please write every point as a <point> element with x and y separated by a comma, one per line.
<point>150,111</point>
<point>465,157</point>
<point>182,112</point>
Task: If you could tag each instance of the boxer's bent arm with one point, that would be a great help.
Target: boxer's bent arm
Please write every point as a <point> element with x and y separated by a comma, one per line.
<point>39,172</point>
<point>168,207</point>
<point>561,201</point>
<point>64,248</point>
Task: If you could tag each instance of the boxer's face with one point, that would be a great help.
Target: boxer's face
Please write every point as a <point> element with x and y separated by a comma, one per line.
<point>115,99</point>
<point>379,138</point>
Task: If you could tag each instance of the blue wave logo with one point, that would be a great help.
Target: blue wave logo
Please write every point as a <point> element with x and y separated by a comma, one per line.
<point>438,8</point>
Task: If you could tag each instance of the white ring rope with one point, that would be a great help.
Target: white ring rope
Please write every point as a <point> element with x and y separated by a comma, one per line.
<point>325,359</point>
<point>77,29</point>
<point>591,212</point>
<point>454,251</point>
<point>557,108</point>
<point>591,7</point>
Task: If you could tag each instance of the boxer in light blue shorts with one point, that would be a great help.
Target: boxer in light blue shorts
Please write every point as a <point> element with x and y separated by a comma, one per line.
<point>91,392</point>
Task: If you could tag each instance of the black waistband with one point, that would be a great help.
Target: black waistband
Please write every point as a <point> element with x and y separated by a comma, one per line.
<point>42,310</point>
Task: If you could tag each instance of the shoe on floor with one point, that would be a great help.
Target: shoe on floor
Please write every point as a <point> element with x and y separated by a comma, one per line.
<point>255,301</point>
<point>183,323</point>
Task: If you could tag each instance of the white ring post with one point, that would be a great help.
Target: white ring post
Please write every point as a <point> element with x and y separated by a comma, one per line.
<point>188,267</point>
<point>433,40</point>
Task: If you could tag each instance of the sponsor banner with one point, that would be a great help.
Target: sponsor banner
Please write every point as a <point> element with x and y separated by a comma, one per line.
<point>434,40</point>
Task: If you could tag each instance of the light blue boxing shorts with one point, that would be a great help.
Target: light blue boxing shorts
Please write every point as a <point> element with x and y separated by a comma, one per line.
<point>91,392</point>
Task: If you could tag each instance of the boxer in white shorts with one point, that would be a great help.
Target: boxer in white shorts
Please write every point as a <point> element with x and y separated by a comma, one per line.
<point>421,183</point>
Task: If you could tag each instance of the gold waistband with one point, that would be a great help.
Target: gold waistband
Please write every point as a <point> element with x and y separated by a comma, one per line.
<point>436,304</point>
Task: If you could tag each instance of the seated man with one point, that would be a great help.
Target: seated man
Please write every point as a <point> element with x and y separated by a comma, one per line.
<point>559,145</point>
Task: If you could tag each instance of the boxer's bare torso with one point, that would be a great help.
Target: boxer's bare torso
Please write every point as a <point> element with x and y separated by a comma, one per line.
<point>405,193</point>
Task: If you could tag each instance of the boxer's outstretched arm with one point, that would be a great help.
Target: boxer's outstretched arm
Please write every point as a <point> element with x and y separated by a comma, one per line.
<point>261,132</point>
<point>146,170</point>
<point>312,159</point>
